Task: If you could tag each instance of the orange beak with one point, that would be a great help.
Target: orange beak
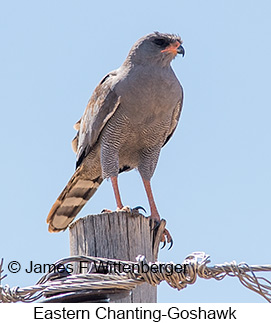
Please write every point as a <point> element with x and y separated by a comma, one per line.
<point>172,48</point>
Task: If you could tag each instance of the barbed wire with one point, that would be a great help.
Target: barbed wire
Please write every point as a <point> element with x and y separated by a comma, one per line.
<point>109,274</point>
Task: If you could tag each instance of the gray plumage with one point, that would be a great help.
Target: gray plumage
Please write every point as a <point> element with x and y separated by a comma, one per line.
<point>132,113</point>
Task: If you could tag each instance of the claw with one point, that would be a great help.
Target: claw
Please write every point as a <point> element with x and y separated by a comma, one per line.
<point>169,238</point>
<point>166,237</point>
<point>106,211</point>
<point>140,208</point>
<point>164,244</point>
<point>156,226</point>
<point>171,244</point>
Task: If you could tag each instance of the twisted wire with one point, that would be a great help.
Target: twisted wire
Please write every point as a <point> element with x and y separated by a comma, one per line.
<point>194,265</point>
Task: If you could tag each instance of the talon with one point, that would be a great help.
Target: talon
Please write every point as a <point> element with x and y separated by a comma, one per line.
<point>166,237</point>
<point>156,226</point>
<point>169,238</point>
<point>171,244</point>
<point>106,211</point>
<point>164,244</point>
<point>139,208</point>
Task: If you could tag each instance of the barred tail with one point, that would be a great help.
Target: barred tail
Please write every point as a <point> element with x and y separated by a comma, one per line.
<point>71,200</point>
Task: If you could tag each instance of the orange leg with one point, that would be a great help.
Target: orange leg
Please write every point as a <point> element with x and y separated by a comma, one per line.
<point>154,212</point>
<point>114,181</point>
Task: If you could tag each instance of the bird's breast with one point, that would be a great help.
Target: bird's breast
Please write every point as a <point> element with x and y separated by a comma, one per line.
<point>148,96</point>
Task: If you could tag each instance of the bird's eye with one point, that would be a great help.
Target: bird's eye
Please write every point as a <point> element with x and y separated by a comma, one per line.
<point>161,42</point>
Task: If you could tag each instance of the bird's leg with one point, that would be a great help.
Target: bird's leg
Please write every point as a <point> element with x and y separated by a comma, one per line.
<point>120,207</point>
<point>154,212</point>
<point>114,181</point>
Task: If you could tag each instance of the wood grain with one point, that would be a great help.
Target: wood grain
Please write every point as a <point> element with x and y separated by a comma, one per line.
<point>119,235</point>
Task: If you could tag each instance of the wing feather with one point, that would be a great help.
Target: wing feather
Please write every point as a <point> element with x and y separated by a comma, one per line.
<point>175,118</point>
<point>101,106</point>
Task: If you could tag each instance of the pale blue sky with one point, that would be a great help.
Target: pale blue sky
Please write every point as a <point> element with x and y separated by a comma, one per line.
<point>212,183</point>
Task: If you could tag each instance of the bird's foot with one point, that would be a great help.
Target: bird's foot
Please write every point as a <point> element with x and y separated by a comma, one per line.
<point>133,211</point>
<point>106,211</point>
<point>166,236</point>
<point>124,208</point>
<point>137,208</point>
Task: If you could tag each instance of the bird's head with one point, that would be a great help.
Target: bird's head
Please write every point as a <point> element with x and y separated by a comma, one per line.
<point>156,48</point>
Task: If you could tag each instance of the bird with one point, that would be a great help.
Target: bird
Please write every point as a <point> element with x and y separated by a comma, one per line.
<point>131,115</point>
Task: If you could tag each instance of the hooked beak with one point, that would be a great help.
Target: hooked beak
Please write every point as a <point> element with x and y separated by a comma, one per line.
<point>175,48</point>
<point>180,50</point>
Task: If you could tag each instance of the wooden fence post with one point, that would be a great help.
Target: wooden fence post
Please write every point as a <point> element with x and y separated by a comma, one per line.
<point>119,235</point>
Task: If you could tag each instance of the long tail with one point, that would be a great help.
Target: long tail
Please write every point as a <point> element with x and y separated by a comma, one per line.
<point>71,200</point>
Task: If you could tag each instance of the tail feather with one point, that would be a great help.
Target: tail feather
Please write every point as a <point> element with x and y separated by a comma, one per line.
<point>71,200</point>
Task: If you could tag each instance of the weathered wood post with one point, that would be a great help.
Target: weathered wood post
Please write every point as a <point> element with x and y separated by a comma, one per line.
<point>119,235</point>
